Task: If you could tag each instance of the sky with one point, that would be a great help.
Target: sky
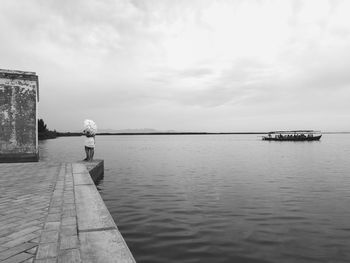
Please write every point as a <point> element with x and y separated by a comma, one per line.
<point>184,65</point>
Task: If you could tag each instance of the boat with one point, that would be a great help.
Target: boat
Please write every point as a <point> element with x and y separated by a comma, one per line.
<point>298,135</point>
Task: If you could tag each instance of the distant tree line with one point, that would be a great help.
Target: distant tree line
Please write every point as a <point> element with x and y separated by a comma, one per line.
<point>44,132</point>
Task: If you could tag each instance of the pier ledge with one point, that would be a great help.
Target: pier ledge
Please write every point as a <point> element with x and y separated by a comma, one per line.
<point>54,213</point>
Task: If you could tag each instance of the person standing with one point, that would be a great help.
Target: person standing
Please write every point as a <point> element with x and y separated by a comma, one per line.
<point>89,145</point>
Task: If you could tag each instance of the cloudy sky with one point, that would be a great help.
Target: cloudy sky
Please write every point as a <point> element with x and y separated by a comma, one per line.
<point>184,65</point>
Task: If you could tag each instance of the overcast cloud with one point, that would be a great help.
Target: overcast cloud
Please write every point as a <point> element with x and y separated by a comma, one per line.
<point>184,65</point>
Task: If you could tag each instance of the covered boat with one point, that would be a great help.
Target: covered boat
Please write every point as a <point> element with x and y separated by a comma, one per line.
<point>298,135</point>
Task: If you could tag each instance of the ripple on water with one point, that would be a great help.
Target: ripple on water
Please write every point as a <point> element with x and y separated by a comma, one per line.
<point>224,198</point>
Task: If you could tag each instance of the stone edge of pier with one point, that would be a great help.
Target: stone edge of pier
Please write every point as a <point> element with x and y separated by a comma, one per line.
<point>95,169</point>
<point>100,239</point>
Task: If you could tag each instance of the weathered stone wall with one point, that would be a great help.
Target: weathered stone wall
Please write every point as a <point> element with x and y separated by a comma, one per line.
<point>18,116</point>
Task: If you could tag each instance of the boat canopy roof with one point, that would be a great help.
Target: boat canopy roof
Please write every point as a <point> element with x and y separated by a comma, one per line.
<point>294,132</point>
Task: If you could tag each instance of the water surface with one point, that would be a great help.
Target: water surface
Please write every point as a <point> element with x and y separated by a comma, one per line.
<point>224,198</point>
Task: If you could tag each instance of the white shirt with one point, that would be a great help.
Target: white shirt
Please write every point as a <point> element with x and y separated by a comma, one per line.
<point>90,142</point>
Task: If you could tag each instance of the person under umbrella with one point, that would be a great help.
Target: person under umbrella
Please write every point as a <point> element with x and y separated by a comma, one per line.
<point>90,129</point>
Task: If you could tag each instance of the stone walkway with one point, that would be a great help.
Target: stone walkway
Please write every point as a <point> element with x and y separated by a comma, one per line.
<point>53,213</point>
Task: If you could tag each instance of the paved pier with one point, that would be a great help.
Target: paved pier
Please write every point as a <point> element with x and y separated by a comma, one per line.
<point>53,213</point>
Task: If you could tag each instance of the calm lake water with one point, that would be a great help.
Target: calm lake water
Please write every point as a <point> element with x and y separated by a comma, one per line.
<point>224,198</point>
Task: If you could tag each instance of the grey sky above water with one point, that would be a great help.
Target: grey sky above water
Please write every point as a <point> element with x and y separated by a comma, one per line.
<point>184,65</point>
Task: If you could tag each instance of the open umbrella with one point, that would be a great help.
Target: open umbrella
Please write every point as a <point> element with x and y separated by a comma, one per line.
<point>90,127</point>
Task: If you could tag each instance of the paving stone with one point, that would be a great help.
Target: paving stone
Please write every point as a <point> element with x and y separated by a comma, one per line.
<point>56,204</point>
<point>68,207</point>
<point>19,240</point>
<point>78,168</point>
<point>35,240</point>
<point>30,223</point>
<point>6,228</point>
<point>39,202</point>
<point>32,250</point>
<point>68,198</point>
<point>36,217</point>
<point>5,239</point>
<point>69,256</point>
<point>68,230</point>
<point>52,225</point>
<point>26,191</point>
<point>47,250</point>
<point>49,236</point>
<point>24,232</point>
<point>46,260</point>
<point>38,232</point>
<point>15,250</point>
<point>82,178</point>
<point>55,210</point>
<point>69,221</point>
<point>12,218</point>
<point>18,258</point>
<point>104,247</point>
<point>3,248</point>
<point>53,217</point>
<point>68,201</point>
<point>91,210</point>
<point>69,213</point>
<point>68,242</point>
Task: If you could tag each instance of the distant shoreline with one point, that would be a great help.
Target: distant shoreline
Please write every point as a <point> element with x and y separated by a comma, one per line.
<point>179,133</point>
<point>68,134</point>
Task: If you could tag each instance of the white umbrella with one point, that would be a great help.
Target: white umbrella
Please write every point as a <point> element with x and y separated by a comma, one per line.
<point>90,127</point>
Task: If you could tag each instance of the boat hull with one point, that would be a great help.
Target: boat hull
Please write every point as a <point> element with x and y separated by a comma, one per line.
<point>314,138</point>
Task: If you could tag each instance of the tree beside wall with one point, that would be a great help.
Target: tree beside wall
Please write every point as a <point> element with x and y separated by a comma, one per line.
<point>42,126</point>
<point>43,132</point>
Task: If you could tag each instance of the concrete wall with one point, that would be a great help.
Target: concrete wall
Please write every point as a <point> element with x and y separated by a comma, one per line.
<point>18,116</point>
<point>96,169</point>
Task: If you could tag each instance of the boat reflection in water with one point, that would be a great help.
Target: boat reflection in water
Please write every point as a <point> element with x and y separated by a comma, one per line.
<point>298,135</point>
